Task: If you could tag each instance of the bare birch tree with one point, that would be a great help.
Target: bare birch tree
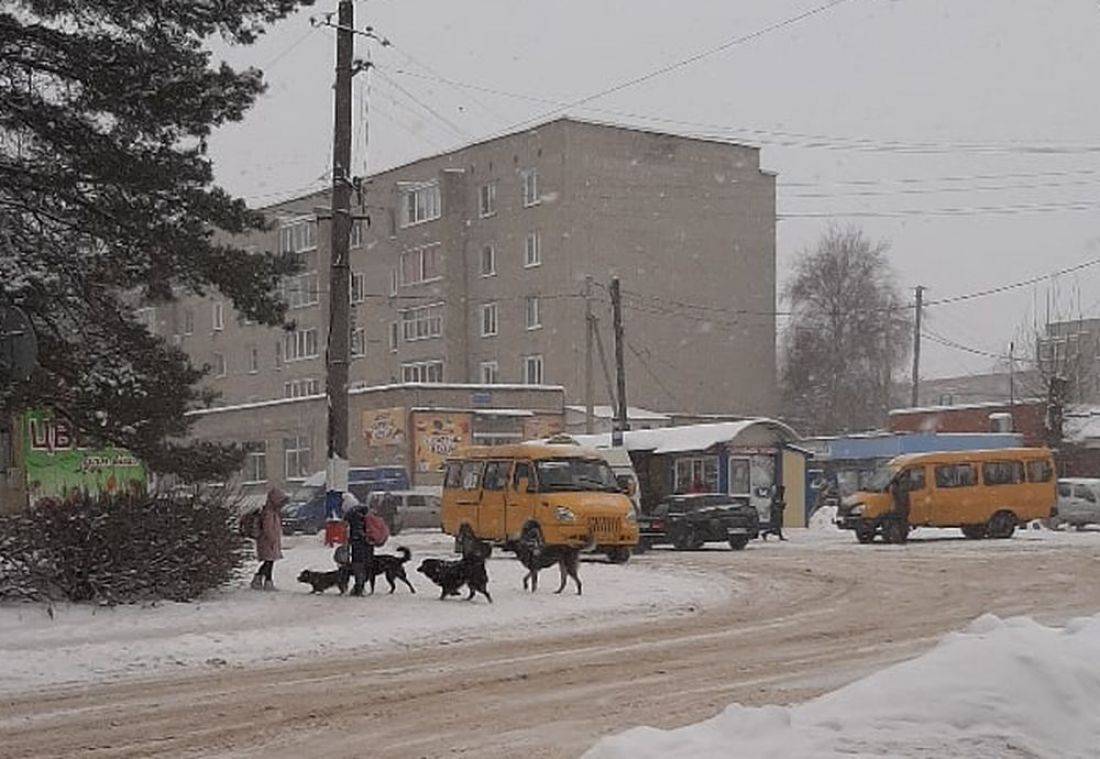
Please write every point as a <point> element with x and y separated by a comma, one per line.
<point>848,336</point>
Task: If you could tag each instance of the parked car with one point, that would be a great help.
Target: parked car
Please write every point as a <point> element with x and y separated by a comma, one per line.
<point>408,508</point>
<point>1078,502</point>
<point>689,521</point>
<point>305,512</point>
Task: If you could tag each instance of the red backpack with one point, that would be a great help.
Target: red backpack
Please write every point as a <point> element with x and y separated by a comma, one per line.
<point>375,529</point>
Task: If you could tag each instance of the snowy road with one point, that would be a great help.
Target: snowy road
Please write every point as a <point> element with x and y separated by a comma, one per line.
<point>786,622</point>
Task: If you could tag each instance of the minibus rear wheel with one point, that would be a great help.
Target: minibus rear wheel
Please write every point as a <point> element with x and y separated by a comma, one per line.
<point>1002,524</point>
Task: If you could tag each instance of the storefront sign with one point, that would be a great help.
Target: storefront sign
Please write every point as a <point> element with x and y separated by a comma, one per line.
<point>59,463</point>
<point>384,427</point>
<point>437,436</point>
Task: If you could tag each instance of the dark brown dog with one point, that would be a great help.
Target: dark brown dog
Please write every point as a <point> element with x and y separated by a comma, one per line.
<point>450,576</point>
<point>538,558</point>
<point>322,581</point>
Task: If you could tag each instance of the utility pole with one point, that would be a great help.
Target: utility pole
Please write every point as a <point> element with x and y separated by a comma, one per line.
<point>621,424</point>
<point>339,326</point>
<point>589,377</point>
<point>916,346</point>
<point>1012,375</point>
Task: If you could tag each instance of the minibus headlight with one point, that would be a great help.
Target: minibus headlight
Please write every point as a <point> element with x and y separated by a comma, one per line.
<point>565,515</point>
<point>631,517</point>
<point>856,511</point>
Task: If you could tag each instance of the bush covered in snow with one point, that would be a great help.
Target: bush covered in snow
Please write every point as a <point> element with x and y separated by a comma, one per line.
<point>119,550</point>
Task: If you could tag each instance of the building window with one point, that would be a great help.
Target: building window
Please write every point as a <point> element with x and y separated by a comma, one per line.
<point>253,360</point>
<point>488,261</point>
<point>301,388</point>
<point>300,345</point>
<point>356,234</point>
<point>420,265</point>
<point>532,370</point>
<point>490,372</point>
<point>255,463</point>
<point>420,203</point>
<point>358,287</point>
<point>422,371</point>
<point>534,315</point>
<point>530,187</point>
<point>393,337</point>
<point>298,236</point>
<point>219,368</point>
<point>219,316</point>
<point>393,282</point>
<point>188,321</point>
<point>296,451</point>
<point>532,250</point>
<point>422,323</point>
<point>358,342</point>
<point>488,319</point>
<point>699,475</point>
<point>487,200</point>
<point>302,291</point>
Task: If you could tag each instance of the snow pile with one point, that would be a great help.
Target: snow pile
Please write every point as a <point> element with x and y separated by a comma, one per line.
<point>824,519</point>
<point>1000,688</point>
<point>240,627</point>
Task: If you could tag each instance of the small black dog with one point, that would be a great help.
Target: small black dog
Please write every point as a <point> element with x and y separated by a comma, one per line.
<point>450,576</point>
<point>393,567</point>
<point>322,581</point>
<point>536,558</point>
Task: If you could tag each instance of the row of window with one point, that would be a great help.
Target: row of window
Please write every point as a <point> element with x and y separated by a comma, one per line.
<point>422,201</point>
<point>949,476</point>
<point>532,308</point>
<point>297,454</point>
<point>489,371</point>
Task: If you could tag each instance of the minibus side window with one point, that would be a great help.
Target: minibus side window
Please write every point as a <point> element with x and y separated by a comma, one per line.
<point>915,477</point>
<point>471,475</point>
<point>523,471</point>
<point>955,475</point>
<point>1039,470</point>
<point>496,475</point>
<point>453,478</point>
<point>1002,472</point>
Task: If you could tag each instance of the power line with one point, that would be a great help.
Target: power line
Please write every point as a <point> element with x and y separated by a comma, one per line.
<point>1014,285</point>
<point>443,119</point>
<point>1011,210</point>
<point>648,370</point>
<point>661,71</point>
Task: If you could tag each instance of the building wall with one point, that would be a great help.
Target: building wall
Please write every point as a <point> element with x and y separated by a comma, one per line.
<point>1029,419</point>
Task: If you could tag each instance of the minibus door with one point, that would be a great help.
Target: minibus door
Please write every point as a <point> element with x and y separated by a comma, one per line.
<point>490,524</point>
<point>520,508</point>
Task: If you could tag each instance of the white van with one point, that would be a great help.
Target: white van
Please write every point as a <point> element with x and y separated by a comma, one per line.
<point>619,461</point>
<point>409,509</point>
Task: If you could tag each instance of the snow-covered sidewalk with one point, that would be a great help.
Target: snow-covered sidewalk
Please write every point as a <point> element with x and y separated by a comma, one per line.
<point>997,689</point>
<point>81,644</point>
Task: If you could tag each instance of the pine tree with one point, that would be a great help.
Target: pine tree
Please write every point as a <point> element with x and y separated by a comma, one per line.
<point>107,196</point>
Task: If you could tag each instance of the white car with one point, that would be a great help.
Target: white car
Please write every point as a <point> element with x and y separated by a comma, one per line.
<point>1078,502</point>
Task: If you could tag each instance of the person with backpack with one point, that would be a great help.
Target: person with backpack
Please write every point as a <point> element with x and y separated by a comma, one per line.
<point>366,531</point>
<point>268,532</point>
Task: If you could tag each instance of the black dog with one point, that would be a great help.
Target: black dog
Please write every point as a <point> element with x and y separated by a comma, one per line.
<point>450,576</point>
<point>536,558</point>
<point>322,581</point>
<point>393,567</point>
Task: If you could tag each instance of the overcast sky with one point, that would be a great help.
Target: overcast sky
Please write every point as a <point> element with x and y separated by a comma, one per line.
<point>963,132</point>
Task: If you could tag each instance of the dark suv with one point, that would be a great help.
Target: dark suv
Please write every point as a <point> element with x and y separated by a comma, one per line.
<point>689,521</point>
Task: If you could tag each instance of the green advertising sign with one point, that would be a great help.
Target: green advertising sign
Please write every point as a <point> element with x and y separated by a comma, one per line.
<point>59,463</point>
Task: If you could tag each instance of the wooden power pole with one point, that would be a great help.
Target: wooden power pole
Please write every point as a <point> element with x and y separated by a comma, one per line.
<point>916,347</point>
<point>589,377</point>
<point>621,424</point>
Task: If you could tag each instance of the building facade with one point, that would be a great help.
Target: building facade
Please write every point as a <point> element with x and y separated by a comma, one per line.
<point>471,267</point>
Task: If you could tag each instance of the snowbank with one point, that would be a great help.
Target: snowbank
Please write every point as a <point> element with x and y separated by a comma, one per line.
<point>238,627</point>
<point>824,519</point>
<point>1000,688</point>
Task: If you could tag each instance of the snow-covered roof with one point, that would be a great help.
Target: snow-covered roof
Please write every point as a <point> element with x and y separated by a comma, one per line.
<point>693,437</point>
<point>964,406</point>
<point>1081,425</point>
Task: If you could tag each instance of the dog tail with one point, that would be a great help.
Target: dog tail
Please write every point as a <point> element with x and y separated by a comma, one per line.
<point>406,554</point>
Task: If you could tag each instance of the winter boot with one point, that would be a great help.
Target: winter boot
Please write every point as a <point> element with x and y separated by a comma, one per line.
<point>269,585</point>
<point>257,582</point>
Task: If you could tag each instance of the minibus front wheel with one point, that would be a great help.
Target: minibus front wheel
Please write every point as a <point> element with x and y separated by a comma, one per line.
<point>865,532</point>
<point>1002,524</point>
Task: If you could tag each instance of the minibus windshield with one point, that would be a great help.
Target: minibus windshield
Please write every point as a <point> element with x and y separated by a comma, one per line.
<point>575,474</point>
<point>880,480</point>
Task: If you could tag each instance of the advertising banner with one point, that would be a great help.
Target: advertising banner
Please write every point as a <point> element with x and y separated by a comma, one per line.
<point>437,436</point>
<point>384,427</point>
<point>59,463</point>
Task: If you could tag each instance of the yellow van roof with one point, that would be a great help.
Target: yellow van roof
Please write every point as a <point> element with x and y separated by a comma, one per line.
<point>988,454</point>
